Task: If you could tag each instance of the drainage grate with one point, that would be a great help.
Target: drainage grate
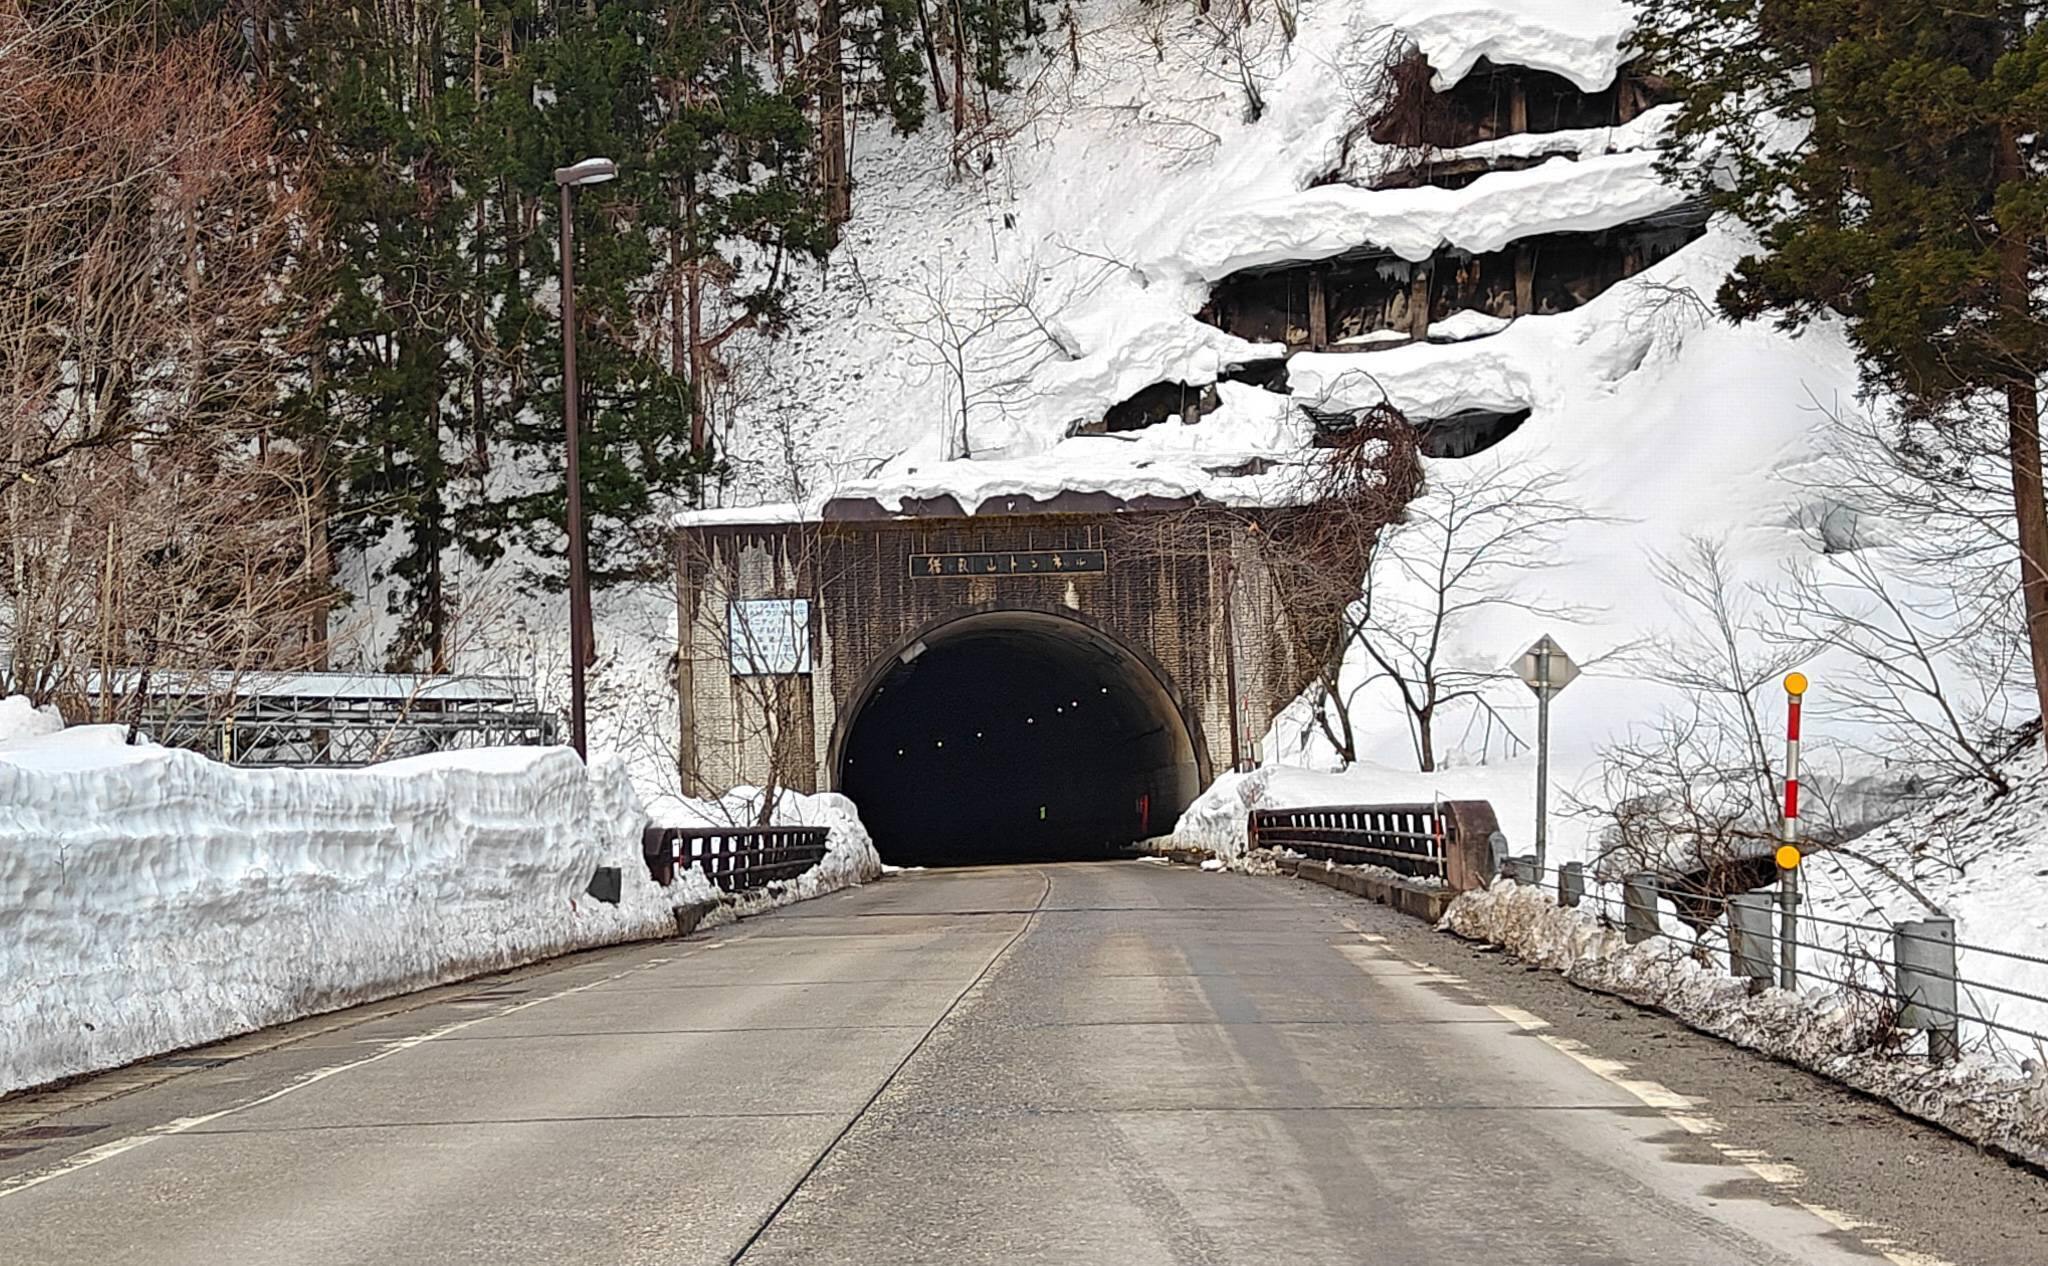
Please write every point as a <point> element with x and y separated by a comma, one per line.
<point>51,1131</point>
<point>494,994</point>
<point>195,1061</point>
<point>9,1153</point>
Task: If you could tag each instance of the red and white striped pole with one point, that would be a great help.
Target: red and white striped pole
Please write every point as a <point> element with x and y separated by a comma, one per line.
<point>1788,847</point>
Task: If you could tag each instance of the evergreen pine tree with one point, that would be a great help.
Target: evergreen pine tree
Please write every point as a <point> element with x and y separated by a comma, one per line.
<point>1914,205</point>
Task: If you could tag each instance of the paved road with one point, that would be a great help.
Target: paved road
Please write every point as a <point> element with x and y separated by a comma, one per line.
<point>1054,1064</point>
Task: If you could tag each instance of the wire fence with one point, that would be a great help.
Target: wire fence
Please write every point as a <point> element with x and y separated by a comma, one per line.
<point>1852,956</point>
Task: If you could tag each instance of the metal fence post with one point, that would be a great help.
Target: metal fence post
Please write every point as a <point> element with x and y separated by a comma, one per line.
<point>1639,904</point>
<point>1749,938</point>
<point>1571,884</point>
<point>1924,957</point>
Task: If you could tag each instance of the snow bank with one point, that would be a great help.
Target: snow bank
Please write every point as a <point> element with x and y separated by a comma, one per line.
<point>153,899</point>
<point>1838,1033</point>
<point>21,720</point>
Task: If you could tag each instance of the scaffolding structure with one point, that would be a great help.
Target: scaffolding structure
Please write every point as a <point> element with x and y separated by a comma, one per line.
<point>328,719</point>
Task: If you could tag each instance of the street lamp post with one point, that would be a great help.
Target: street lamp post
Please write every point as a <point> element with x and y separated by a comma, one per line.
<point>590,171</point>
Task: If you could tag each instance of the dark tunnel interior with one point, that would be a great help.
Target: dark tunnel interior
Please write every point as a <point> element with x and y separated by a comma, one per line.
<point>1016,736</point>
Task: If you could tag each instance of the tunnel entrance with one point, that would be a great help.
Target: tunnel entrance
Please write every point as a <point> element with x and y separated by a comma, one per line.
<point>1016,736</point>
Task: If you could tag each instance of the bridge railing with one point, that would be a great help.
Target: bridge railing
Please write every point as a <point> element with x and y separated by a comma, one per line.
<point>735,858</point>
<point>1450,841</point>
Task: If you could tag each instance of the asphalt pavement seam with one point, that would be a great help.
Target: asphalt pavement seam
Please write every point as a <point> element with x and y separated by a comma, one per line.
<point>824,1153</point>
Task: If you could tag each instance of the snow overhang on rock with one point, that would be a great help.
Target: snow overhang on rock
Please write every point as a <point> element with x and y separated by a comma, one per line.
<point>1561,196</point>
<point>1586,41</point>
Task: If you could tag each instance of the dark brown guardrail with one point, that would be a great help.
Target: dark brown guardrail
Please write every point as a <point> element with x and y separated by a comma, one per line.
<point>1450,841</point>
<point>736,858</point>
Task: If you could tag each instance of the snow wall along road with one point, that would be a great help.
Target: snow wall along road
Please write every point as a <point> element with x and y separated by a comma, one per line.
<point>153,899</point>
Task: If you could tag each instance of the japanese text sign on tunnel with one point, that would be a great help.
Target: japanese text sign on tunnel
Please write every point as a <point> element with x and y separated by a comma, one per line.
<point>769,636</point>
<point>1011,563</point>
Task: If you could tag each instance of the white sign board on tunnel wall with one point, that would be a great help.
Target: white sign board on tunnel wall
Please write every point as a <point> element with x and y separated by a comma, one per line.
<point>769,636</point>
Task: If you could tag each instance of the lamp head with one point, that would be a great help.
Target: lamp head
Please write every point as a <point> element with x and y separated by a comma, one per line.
<point>591,171</point>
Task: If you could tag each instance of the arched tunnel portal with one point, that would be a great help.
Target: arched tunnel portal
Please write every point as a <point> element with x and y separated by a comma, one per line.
<point>1016,735</point>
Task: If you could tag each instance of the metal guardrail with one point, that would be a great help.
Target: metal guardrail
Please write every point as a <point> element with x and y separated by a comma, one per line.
<point>1910,967</point>
<point>736,858</point>
<point>322,719</point>
<point>1409,839</point>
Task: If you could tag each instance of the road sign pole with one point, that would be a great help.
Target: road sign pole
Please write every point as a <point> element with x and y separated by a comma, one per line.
<point>1788,850</point>
<point>1545,669</point>
<point>1543,694</point>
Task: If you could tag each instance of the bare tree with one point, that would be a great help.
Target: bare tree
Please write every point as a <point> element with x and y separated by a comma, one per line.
<point>150,238</point>
<point>749,599</point>
<point>1916,579</point>
<point>1696,791</point>
<point>147,235</point>
<point>984,347</point>
<point>1459,553</point>
<point>1928,691</point>
<point>1315,556</point>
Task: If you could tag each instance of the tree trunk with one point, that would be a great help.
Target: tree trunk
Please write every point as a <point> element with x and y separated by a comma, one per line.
<point>2023,423</point>
<point>1425,739</point>
<point>437,599</point>
<point>1343,740</point>
<point>2023,419</point>
<point>959,73</point>
<point>832,166</point>
<point>693,280</point>
<point>931,54</point>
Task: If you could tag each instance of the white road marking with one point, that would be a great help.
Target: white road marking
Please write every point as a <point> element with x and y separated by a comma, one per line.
<point>1682,1112</point>
<point>107,1151</point>
<point>1674,1107</point>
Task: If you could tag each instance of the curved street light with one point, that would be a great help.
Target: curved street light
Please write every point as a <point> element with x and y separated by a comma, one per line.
<point>590,171</point>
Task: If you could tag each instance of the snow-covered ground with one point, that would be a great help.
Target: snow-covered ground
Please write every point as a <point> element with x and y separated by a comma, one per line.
<point>153,899</point>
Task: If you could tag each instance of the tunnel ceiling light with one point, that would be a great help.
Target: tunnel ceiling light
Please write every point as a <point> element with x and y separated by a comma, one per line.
<point>912,651</point>
<point>939,743</point>
<point>1105,690</point>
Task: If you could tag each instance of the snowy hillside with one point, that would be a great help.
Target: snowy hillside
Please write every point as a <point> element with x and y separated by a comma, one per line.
<point>995,306</point>
<point>1123,190</point>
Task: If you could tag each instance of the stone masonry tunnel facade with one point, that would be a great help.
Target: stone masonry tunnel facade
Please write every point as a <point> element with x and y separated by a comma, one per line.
<point>1037,679</point>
